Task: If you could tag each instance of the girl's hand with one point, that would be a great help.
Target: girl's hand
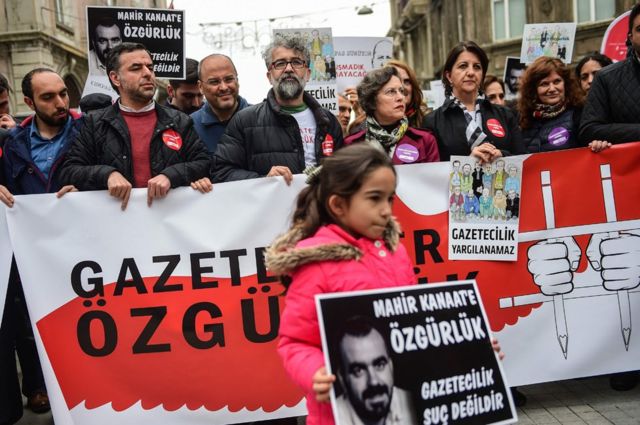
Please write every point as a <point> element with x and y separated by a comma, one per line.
<point>496,348</point>
<point>599,145</point>
<point>322,383</point>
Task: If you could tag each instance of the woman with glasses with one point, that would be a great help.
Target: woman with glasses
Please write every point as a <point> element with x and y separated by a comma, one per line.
<point>550,106</point>
<point>382,97</point>
<point>468,123</point>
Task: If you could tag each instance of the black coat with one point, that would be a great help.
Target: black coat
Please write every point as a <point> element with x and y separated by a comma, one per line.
<point>553,134</point>
<point>104,146</point>
<point>262,136</point>
<point>449,125</point>
<point>612,112</point>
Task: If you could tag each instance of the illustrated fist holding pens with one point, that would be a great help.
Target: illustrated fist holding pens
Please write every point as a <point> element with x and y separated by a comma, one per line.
<point>552,263</point>
<point>616,255</point>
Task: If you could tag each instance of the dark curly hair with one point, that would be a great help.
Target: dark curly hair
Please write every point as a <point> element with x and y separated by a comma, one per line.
<point>540,69</point>
<point>371,85</point>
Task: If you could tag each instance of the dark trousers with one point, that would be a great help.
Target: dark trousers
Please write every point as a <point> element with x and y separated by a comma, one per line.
<point>16,336</point>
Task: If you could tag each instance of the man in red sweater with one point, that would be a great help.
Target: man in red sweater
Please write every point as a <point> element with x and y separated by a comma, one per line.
<point>136,142</point>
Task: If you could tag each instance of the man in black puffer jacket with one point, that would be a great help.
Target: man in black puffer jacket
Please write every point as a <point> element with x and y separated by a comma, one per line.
<point>136,142</point>
<point>612,112</point>
<point>286,132</point>
<point>612,115</point>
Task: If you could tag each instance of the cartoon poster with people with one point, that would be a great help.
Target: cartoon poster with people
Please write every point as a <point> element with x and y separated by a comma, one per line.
<point>355,56</point>
<point>413,355</point>
<point>484,208</point>
<point>550,39</point>
<point>322,64</point>
<point>160,31</point>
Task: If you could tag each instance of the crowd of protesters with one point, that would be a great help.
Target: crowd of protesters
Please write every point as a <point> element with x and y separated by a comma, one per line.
<point>207,133</point>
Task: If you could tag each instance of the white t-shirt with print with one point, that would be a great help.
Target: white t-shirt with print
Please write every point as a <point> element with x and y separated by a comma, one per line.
<point>307,123</point>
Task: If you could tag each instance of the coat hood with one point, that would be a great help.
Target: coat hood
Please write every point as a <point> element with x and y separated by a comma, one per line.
<point>283,257</point>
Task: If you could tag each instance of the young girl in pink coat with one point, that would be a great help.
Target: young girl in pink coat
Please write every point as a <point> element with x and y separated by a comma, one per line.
<point>343,238</point>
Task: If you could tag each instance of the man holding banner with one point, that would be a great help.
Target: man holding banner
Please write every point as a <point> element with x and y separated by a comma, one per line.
<point>287,132</point>
<point>32,154</point>
<point>612,111</point>
<point>136,142</point>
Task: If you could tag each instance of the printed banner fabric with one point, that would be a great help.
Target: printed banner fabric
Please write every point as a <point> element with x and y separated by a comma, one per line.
<point>167,315</point>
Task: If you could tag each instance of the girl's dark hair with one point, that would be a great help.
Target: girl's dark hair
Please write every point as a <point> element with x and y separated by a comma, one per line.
<point>592,56</point>
<point>452,57</point>
<point>342,174</point>
<point>371,85</point>
<point>540,69</point>
<point>416,102</point>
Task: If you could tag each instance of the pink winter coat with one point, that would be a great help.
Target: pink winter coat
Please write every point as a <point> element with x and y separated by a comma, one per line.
<point>330,261</point>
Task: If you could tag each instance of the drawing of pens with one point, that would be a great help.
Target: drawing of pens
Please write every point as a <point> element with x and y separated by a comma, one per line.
<point>558,300</point>
<point>610,212</point>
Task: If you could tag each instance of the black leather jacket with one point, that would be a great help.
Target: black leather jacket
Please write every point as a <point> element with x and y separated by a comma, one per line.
<point>104,146</point>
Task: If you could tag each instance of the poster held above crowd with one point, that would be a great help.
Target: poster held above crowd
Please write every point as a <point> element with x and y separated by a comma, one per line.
<point>615,40</point>
<point>413,355</point>
<point>484,206</point>
<point>161,31</point>
<point>549,39</point>
<point>513,70</point>
<point>355,56</point>
<point>322,64</point>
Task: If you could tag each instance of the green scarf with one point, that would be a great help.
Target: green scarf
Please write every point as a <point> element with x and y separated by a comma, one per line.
<point>379,137</point>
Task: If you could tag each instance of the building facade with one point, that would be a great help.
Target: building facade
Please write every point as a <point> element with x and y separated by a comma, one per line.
<point>425,30</point>
<point>51,34</point>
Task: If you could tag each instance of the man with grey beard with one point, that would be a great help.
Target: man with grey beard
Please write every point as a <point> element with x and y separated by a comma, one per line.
<point>285,133</point>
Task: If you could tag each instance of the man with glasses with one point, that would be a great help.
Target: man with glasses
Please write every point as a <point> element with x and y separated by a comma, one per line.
<point>286,132</point>
<point>218,82</point>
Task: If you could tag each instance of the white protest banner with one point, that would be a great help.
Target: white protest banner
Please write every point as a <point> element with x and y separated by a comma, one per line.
<point>5,259</point>
<point>141,272</point>
<point>484,206</point>
<point>158,314</point>
<point>322,66</point>
<point>550,39</point>
<point>417,354</point>
<point>355,56</point>
<point>161,31</point>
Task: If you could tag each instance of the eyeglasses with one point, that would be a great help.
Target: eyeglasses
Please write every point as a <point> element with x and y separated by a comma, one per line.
<point>496,96</point>
<point>215,82</point>
<point>296,63</point>
<point>394,92</point>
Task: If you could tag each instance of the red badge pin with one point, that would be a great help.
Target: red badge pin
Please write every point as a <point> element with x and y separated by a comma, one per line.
<point>495,127</point>
<point>172,139</point>
<point>0,152</point>
<point>327,145</point>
